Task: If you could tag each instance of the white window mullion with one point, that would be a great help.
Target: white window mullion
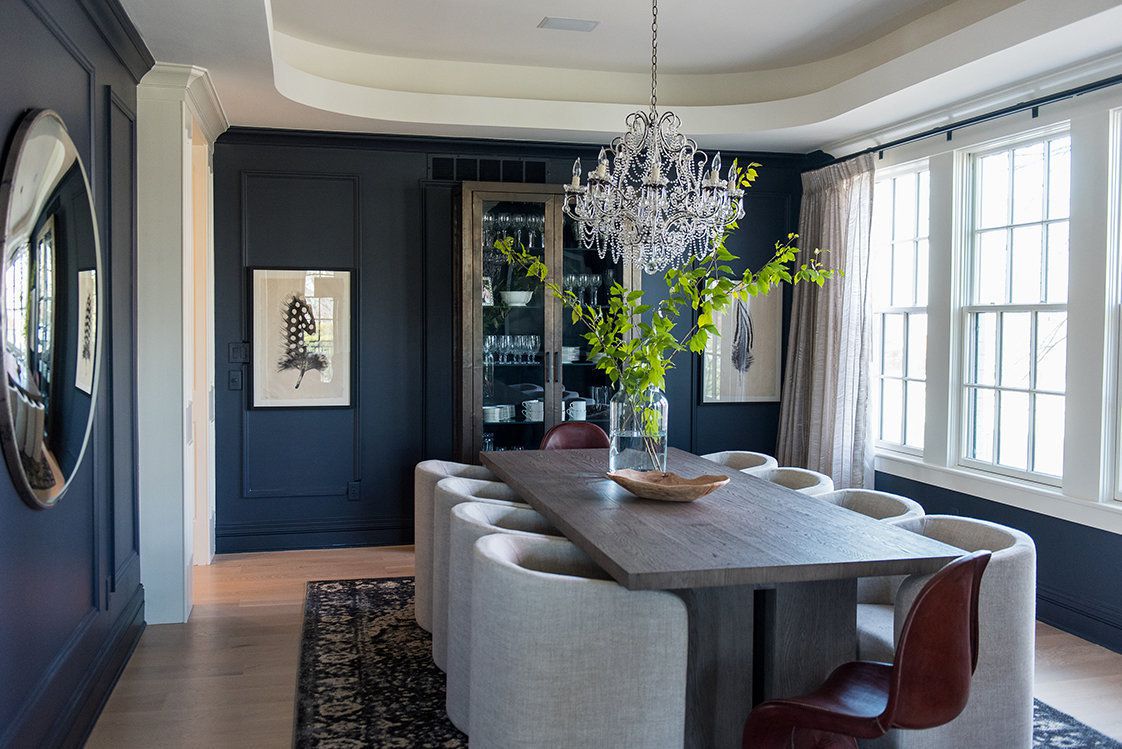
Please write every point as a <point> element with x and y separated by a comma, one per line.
<point>1085,459</point>
<point>941,427</point>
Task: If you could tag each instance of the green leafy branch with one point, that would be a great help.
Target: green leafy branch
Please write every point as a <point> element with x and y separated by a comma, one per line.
<point>635,343</point>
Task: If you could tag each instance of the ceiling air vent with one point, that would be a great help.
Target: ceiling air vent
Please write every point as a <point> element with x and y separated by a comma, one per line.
<point>567,24</point>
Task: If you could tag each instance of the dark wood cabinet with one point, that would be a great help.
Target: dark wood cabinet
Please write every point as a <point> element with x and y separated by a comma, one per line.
<point>522,363</point>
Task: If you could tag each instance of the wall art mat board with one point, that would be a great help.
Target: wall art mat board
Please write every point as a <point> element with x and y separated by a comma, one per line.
<point>742,365</point>
<point>87,330</point>
<point>301,338</point>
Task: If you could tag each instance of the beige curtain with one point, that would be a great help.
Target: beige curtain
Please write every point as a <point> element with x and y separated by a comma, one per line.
<point>824,415</point>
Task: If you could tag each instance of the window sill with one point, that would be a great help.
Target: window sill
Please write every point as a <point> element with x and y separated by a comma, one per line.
<point>1038,498</point>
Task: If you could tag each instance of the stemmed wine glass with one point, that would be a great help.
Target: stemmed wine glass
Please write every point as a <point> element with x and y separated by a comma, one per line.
<point>593,281</point>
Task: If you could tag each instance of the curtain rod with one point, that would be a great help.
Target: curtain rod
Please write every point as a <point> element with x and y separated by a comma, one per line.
<point>1032,105</point>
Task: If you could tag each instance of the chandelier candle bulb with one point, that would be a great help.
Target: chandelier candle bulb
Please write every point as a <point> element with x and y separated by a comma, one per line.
<point>576,175</point>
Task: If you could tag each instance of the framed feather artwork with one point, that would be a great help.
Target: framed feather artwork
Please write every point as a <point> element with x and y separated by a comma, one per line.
<point>87,331</point>
<point>301,338</point>
<point>742,365</point>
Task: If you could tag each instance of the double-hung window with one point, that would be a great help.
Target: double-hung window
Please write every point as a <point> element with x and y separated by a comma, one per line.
<point>898,298</point>
<point>1015,315</point>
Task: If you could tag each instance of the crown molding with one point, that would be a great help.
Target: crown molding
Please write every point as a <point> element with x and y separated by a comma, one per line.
<point>190,85</point>
<point>1089,72</point>
<point>113,23</point>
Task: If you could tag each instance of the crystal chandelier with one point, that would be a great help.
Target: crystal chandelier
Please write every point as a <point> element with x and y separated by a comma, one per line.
<point>653,200</point>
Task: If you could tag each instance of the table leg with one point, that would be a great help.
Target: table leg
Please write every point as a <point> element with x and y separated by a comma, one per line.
<point>719,676</point>
<point>809,630</point>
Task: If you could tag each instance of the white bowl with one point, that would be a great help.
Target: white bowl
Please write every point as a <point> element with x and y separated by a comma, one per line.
<point>516,298</point>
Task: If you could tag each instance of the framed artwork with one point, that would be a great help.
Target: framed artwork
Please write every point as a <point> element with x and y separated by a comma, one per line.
<point>743,364</point>
<point>301,331</point>
<point>488,292</point>
<point>87,330</point>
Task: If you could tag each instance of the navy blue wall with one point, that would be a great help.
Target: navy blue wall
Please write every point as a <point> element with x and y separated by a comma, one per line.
<point>382,206</point>
<point>1078,567</point>
<point>71,604</point>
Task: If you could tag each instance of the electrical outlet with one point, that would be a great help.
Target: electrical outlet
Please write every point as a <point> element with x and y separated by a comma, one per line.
<point>234,379</point>
<point>354,491</point>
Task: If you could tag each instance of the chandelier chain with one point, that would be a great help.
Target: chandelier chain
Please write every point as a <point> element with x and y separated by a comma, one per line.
<point>654,55</point>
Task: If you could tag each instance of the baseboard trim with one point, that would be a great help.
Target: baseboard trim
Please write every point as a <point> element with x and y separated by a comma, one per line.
<point>1096,622</point>
<point>83,710</point>
<point>231,538</point>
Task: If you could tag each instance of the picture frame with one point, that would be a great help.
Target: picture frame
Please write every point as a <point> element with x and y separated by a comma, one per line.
<point>301,324</point>
<point>744,364</point>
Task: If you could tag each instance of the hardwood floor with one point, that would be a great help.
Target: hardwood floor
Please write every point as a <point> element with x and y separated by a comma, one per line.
<point>227,677</point>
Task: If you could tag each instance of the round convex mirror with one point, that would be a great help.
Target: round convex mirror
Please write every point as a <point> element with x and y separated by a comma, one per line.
<point>49,282</point>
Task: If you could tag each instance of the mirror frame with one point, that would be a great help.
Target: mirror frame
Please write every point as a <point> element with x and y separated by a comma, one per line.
<point>7,428</point>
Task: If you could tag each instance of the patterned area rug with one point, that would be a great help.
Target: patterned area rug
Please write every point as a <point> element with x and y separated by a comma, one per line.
<point>367,678</point>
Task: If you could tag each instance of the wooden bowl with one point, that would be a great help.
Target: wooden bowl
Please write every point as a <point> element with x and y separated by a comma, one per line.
<point>666,487</point>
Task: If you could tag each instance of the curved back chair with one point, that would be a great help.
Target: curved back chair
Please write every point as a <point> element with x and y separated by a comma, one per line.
<point>563,656</point>
<point>472,521</point>
<point>425,476</point>
<point>926,686</point>
<point>575,435</point>
<point>1000,709</point>
<point>449,493</point>
<point>874,504</point>
<point>743,460</point>
<point>800,479</point>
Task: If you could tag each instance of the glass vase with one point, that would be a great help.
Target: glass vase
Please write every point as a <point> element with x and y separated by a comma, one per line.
<point>638,424</point>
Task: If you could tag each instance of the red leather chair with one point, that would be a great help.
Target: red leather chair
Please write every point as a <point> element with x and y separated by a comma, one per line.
<point>927,685</point>
<point>575,435</point>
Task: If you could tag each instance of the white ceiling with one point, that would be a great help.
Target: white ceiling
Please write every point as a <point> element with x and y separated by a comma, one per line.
<point>695,36</point>
<point>795,76</point>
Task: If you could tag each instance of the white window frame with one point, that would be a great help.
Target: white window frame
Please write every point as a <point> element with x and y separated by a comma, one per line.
<point>966,309</point>
<point>1093,417</point>
<point>877,377</point>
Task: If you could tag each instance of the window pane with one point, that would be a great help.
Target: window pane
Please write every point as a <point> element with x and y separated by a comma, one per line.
<point>1028,183</point>
<point>917,347</point>
<point>981,410</point>
<point>993,190</point>
<point>878,344</point>
<point>1057,263</point>
<point>1016,340</point>
<point>894,345</point>
<point>1051,351</point>
<point>1026,264</point>
<point>892,409</point>
<point>882,214</point>
<point>921,273</point>
<point>990,282</point>
<point>1048,452</point>
<point>1059,178</point>
<point>903,274</point>
<point>985,348</point>
<point>904,224</point>
<point>916,405</point>
<point>924,203</point>
<point>1013,440</point>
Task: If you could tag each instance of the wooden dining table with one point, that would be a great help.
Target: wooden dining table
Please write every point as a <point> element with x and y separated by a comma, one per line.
<point>768,574</point>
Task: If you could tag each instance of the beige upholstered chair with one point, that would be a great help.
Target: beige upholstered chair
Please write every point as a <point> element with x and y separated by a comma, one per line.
<point>564,657</point>
<point>449,493</point>
<point>874,504</point>
<point>743,460</point>
<point>999,713</point>
<point>800,479</point>
<point>425,476</point>
<point>470,522</point>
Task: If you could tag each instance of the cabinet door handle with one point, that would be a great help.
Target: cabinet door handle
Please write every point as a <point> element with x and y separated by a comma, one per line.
<point>556,366</point>
<point>548,367</point>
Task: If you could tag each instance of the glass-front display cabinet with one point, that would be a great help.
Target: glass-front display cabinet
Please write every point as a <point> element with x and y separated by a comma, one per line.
<point>523,363</point>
